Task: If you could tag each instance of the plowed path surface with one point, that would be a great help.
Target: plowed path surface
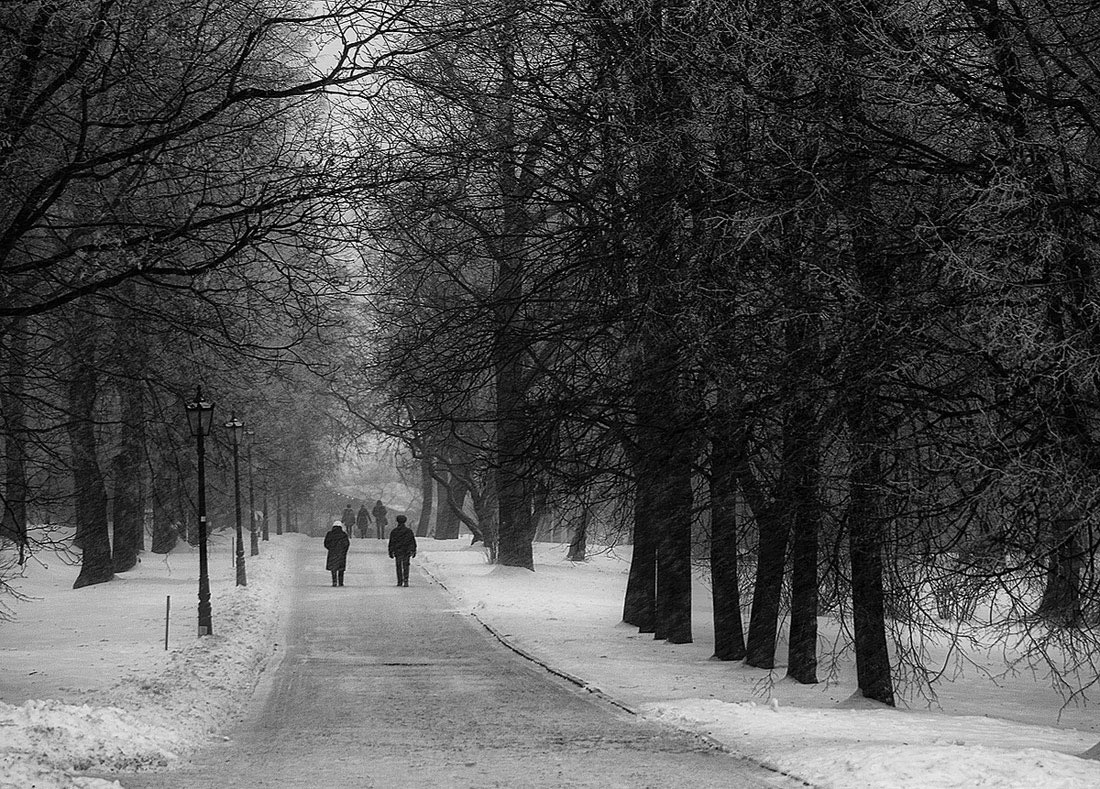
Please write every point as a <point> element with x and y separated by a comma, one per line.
<point>383,686</point>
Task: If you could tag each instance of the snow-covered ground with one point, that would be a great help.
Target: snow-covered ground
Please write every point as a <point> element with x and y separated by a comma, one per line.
<point>86,685</point>
<point>1010,731</point>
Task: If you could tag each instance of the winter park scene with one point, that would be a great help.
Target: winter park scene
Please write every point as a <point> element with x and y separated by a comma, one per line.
<point>620,393</point>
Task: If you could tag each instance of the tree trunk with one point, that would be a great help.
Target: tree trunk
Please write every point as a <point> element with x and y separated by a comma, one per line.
<point>805,526</point>
<point>771,559</point>
<point>542,514</point>
<point>448,522</point>
<point>427,496</point>
<point>164,536</point>
<point>13,526</point>
<point>515,528</point>
<point>129,499</point>
<point>89,492</point>
<point>870,356</point>
<point>1061,601</point>
<point>482,525</point>
<point>729,637</point>
<point>639,607</point>
<point>801,341</point>
<point>578,545</point>
<point>774,525</point>
<point>126,511</point>
<point>265,522</point>
<point>667,167</point>
<point>486,512</point>
<point>673,509</point>
<point>169,521</point>
<point>869,438</point>
<point>865,551</point>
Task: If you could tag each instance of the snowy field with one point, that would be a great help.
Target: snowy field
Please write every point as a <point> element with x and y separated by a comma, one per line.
<point>86,685</point>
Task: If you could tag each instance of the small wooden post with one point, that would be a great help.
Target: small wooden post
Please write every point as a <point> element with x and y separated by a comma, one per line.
<point>167,614</point>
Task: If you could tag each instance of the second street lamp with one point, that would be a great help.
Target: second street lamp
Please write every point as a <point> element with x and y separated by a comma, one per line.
<point>236,428</point>
<point>200,418</point>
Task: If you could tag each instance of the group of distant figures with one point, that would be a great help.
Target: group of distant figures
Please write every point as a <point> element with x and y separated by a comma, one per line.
<point>402,544</point>
<point>360,522</point>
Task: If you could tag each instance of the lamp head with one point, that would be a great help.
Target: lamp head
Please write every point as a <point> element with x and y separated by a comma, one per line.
<point>235,427</point>
<point>200,415</point>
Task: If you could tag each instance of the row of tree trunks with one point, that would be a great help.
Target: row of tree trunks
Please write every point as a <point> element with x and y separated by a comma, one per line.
<point>1070,314</point>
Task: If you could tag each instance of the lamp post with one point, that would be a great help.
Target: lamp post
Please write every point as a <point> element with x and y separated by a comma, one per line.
<point>200,417</point>
<point>236,428</point>
<point>253,537</point>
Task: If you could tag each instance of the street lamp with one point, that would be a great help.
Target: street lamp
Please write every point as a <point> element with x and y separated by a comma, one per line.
<point>236,428</point>
<point>200,418</point>
<point>253,537</point>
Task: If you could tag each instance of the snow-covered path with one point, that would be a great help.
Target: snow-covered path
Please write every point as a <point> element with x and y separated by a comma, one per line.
<point>384,686</point>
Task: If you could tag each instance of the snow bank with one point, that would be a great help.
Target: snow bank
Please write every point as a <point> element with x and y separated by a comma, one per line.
<point>140,705</point>
<point>567,615</point>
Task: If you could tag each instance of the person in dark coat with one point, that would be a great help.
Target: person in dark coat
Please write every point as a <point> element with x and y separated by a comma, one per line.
<point>362,520</point>
<point>402,548</point>
<point>379,512</point>
<point>349,520</point>
<point>337,544</point>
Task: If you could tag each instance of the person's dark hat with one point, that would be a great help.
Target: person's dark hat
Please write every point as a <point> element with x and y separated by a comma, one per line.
<point>401,518</point>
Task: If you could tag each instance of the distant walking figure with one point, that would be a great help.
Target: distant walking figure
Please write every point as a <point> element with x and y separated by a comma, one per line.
<point>362,520</point>
<point>349,519</point>
<point>379,512</point>
<point>337,544</point>
<point>402,548</point>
